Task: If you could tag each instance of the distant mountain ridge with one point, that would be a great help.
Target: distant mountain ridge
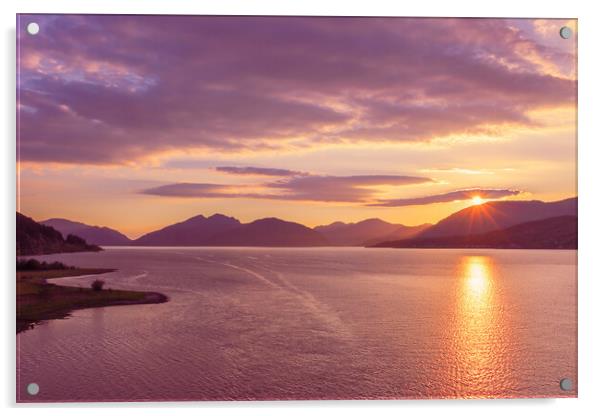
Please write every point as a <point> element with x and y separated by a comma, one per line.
<point>401,233</point>
<point>103,236</point>
<point>220,230</point>
<point>550,233</point>
<point>195,231</point>
<point>496,215</point>
<point>34,238</point>
<point>270,232</point>
<point>366,232</point>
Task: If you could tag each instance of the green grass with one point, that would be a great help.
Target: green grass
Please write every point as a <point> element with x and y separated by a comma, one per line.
<point>38,300</point>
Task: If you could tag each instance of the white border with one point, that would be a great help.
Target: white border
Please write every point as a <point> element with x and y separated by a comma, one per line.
<point>590,209</point>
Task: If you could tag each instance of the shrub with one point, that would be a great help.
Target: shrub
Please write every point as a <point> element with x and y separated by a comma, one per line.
<point>33,264</point>
<point>30,264</point>
<point>75,240</point>
<point>57,265</point>
<point>97,285</point>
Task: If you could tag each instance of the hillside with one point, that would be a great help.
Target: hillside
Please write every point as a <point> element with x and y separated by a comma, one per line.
<point>195,231</point>
<point>103,236</point>
<point>272,232</point>
<point>370,231</point>
<point>497,215</point>
<point>401,233</point>
<point>34,238</point>
<point>551,233</point>
<point>220,230</point>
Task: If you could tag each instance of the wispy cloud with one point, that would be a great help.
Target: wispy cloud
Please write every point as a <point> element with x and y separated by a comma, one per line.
<point>359,188</point>
<point>250,170</point>
<point>190,190</point>
<point>351,189</point>
<point>461,171</point>
<point>460,195</point>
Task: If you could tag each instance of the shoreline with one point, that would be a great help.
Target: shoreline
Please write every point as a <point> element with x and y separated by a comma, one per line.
<point>39,301</point>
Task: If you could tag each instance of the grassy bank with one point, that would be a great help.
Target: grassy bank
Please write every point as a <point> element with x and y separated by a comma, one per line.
<point>38,300</point>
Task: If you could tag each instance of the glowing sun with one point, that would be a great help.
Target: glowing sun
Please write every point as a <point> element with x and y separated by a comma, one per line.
<point>477,200</point>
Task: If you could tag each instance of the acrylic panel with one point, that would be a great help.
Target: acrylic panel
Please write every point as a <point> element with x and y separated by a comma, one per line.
<point>295,208</point>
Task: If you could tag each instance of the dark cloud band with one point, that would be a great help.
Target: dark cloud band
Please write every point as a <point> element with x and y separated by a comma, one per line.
<point>352,189</point>
<point>460,195</point>
<point>249,170</point>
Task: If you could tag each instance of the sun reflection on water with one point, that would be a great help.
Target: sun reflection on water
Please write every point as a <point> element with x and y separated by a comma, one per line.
<point>478,341</point>
<point>477,282</point>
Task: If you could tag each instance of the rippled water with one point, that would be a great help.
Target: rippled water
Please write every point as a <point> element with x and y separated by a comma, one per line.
<point>327,323</point>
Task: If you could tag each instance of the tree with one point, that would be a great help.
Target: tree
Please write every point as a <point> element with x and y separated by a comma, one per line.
<point>75,240</point>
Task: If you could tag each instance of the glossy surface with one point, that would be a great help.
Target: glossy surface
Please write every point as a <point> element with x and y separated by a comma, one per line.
<point>344,323</point>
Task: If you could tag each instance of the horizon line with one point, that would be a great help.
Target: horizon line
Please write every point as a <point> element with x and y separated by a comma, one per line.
<point>296,222</point>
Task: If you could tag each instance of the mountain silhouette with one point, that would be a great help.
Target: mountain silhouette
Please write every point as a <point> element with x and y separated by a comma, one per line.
<point>195,231</point>
<point>272,232</point>
<point>102,236</point>
<point>34,238</point>
<point>220,230</point>
<point>367,232</point>
<point>550,233</point>
<point>496,215</point>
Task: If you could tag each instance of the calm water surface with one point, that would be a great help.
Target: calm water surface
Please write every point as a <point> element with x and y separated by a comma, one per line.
<point>326,323</point>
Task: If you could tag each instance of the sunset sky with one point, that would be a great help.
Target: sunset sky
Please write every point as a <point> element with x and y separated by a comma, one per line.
<point>137,122</point>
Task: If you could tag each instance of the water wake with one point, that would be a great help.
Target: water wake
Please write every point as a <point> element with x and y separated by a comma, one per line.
<point>308,300</point>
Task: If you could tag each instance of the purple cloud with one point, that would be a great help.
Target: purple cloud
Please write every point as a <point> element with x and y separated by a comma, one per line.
<point>250,170</point>
<point>189,190</point>
<point>340,188</point>
<point>460,195</point>
<point>114,89</point>
<point>352,189</point>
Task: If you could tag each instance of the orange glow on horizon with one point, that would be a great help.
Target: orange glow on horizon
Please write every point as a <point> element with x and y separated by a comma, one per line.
<point>477,200</point>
